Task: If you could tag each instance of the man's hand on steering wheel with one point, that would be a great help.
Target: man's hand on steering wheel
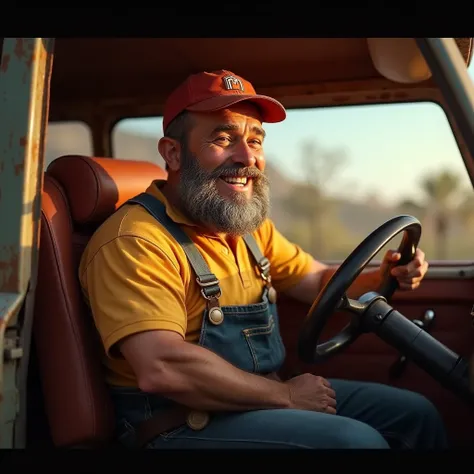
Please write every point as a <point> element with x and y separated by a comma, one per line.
<point>409,276</point>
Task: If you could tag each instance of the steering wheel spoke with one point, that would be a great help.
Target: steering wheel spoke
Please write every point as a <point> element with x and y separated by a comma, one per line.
<point>351,305</point>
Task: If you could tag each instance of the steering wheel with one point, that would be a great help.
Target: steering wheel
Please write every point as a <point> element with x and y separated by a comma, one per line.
<point>333,296</point>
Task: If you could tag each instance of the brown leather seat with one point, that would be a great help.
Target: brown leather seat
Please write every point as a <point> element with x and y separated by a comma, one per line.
<point>79,193</point>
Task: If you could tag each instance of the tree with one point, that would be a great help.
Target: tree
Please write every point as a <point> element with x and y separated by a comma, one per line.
<point>441,192</point>
<point>466,211</point>
<point>309,201</point>
<point>441,197</point>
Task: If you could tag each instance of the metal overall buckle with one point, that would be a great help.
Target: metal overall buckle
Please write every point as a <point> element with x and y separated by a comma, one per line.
<point>264,266</point>
<point>215,314</point>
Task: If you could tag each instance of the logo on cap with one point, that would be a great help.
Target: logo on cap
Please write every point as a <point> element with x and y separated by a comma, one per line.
<point>233,83</point>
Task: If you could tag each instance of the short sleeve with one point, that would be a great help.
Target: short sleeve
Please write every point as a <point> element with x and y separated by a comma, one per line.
<point>133,286</point>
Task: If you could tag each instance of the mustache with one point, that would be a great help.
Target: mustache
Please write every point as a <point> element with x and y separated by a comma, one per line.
<point>236,171</point>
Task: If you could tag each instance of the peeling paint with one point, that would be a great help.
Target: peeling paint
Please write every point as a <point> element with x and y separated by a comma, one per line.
<point>19,48</point>
<point>19,168</point>
<point>31,60</point>
<point>5,62</point>
<point>8,268</point>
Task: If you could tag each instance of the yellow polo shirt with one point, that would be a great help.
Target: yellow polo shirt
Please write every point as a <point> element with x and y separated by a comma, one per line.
<point>136,277</point>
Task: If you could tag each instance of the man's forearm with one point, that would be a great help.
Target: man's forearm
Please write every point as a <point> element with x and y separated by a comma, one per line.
<point>198,378</point>
<point>367,281</point>
<point>310,286</point>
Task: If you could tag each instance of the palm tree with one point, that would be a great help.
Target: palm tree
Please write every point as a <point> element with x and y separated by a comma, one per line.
<point>441,190</point>
<point>437,206</point>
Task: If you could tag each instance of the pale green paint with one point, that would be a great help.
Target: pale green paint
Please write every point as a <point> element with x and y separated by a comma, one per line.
<point>24,92</point>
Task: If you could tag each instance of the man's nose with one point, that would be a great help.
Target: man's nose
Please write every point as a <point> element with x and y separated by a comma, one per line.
<point>244,155</point>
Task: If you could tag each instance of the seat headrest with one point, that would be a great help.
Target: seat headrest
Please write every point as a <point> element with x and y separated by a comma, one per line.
<point>96,187</point>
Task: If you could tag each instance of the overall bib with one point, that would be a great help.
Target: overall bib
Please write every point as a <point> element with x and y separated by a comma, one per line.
<point>246,336</point>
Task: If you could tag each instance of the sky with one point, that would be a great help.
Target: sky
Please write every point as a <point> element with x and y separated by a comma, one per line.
<point>388,148</point>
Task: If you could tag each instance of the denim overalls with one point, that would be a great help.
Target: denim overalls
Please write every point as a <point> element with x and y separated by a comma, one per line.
<point>246,336</point>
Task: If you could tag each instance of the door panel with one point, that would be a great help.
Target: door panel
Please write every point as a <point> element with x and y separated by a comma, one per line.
<point>447,290</point>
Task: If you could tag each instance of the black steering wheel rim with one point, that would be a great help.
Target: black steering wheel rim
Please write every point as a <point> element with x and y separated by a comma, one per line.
<point>334,292</point>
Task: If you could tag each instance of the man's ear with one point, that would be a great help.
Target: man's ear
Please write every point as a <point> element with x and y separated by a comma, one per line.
<point>170,150</point>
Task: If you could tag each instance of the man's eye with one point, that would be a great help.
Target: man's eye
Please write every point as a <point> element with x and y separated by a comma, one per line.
<point>223,139</point>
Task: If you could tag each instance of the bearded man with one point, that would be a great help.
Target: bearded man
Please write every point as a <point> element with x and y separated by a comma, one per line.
<point>182,283</point>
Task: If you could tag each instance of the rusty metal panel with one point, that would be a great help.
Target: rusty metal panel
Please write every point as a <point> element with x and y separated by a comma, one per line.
<point>25,71</point>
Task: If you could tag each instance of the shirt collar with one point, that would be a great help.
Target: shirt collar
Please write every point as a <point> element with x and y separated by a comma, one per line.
<point>173,213</point>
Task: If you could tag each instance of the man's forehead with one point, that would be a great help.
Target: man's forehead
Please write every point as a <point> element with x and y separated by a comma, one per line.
<point>246,108</point>
<point>235,127</point>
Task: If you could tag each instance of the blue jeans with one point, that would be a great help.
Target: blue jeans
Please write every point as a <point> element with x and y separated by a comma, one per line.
<point>370,416</point>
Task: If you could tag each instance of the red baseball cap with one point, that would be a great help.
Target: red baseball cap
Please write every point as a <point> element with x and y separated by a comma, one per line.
<point>209,91</point>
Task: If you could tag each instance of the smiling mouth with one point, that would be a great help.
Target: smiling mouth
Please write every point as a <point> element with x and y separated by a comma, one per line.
<point>237,183</point>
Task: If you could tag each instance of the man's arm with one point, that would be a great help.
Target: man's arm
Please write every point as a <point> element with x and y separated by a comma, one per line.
<point>192,375</point>
<point>299,275</point>
<point>409,277</point>
<point>311,284</point>
<point>137,298</point>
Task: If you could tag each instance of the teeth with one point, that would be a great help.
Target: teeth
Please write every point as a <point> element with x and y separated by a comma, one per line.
<point>234,180</point>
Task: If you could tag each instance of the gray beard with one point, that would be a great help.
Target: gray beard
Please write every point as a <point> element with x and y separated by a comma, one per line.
<point>234,215</point>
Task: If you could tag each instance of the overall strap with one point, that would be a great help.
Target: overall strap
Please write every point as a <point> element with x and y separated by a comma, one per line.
<point>206,279</point>
<point>262,261</point>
